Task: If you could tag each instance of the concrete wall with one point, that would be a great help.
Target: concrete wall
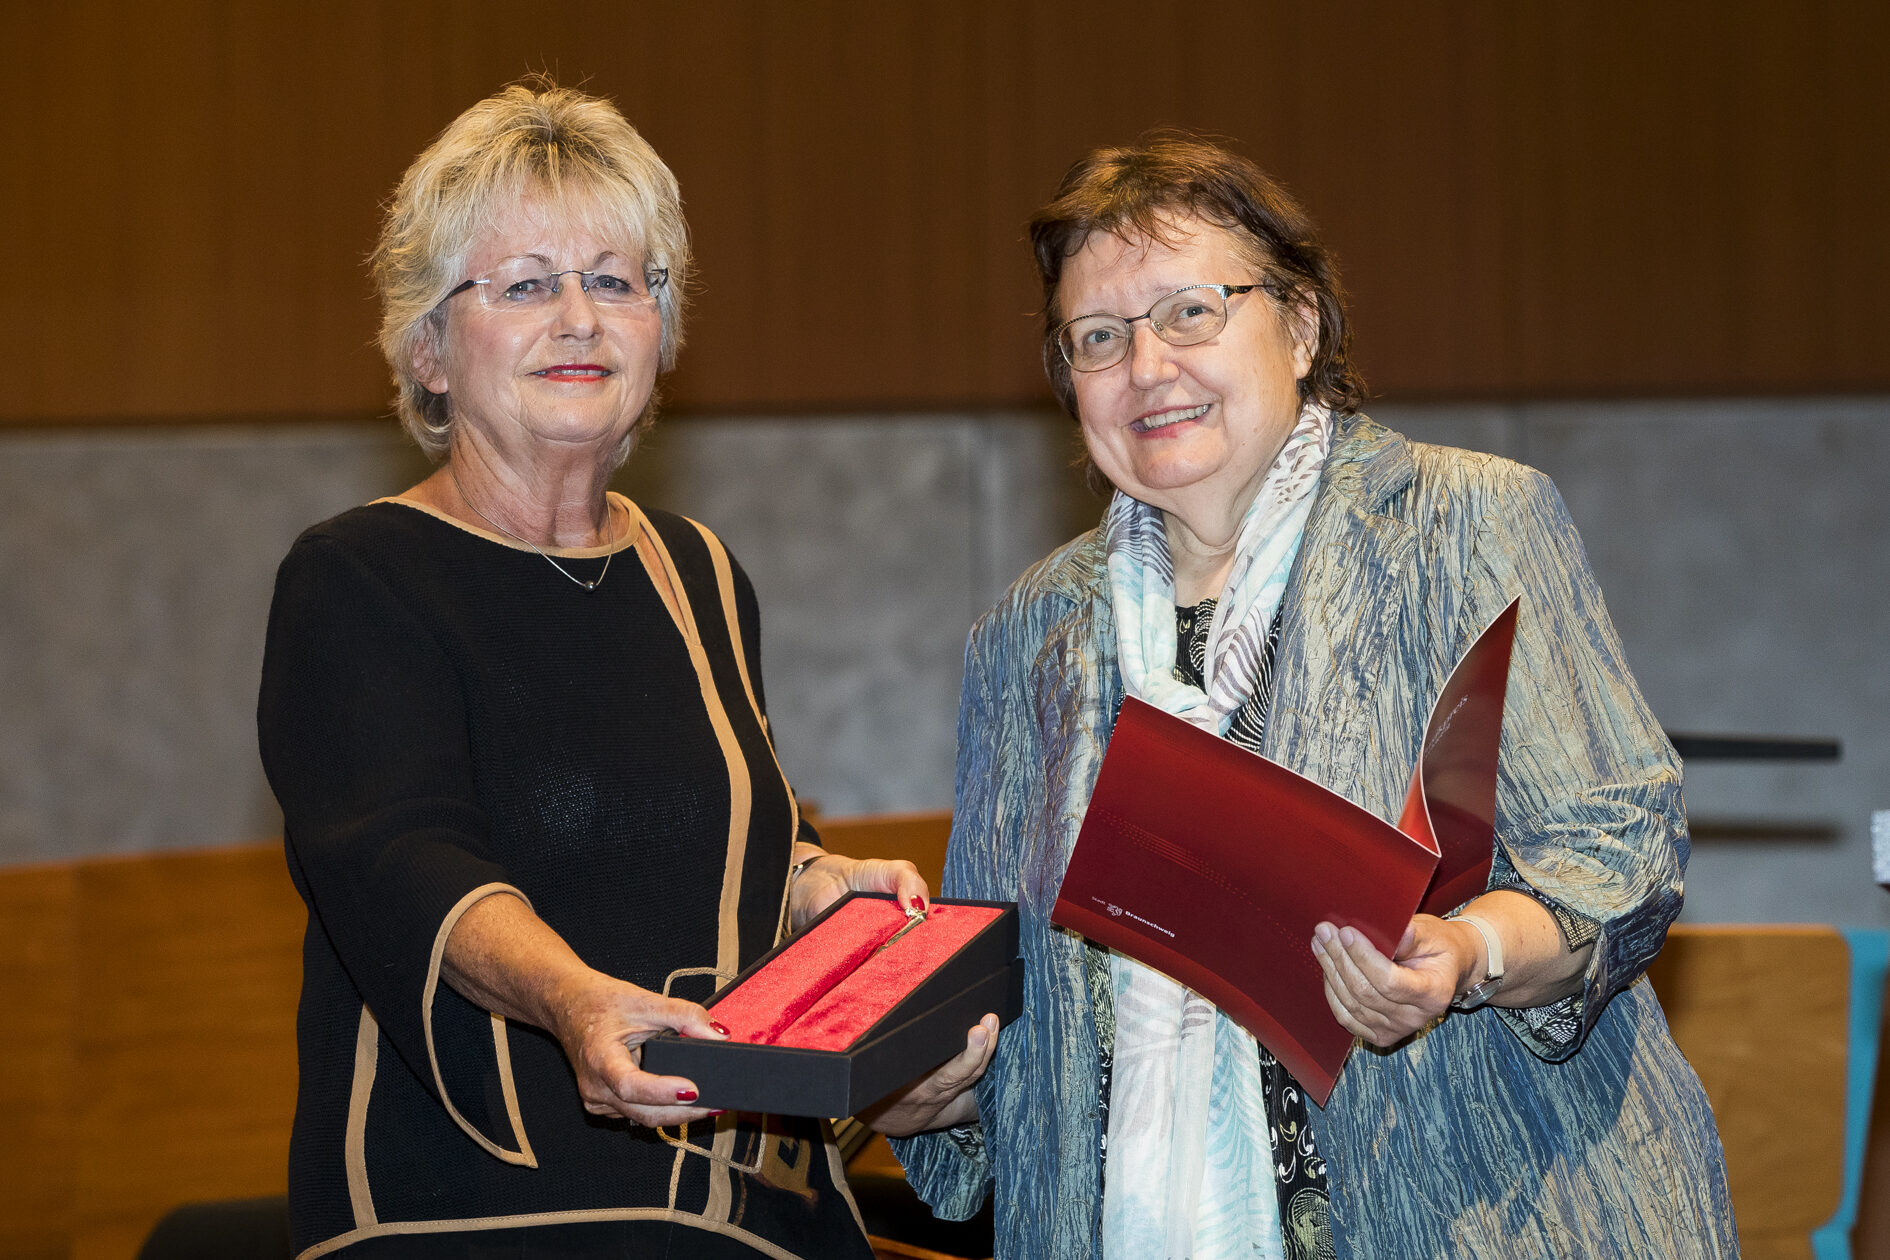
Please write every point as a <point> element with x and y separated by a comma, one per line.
<point>1741,545</point>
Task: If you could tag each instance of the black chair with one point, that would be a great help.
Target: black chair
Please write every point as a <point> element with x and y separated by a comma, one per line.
<point>233,1229</point>
<point>890,1209</point>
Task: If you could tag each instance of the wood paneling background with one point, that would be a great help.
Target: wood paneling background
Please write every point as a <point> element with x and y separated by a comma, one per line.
<point>147,1050</point>
<point>147,1053</point>
<point>147,1033</point>
<point>1683,197</point>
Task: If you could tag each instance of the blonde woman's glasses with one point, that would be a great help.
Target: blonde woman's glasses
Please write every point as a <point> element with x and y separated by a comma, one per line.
<point>526,287</point>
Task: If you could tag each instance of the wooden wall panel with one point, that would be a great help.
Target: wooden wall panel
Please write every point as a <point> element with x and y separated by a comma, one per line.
<point>190,968</point>
<point>147,1049</point>
<point>1679,197</point>
<point>919,838</point>
<point>38,1089</point>
<point>1762,1013</point>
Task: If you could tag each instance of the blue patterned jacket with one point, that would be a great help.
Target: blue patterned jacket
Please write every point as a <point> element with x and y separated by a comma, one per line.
<point>1480,1136</point>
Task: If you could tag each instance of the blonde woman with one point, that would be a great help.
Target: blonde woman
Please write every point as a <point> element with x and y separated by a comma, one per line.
<point>517,728</point>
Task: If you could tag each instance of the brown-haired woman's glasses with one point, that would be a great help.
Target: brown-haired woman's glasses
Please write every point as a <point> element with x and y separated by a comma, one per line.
<point>1185,317</point>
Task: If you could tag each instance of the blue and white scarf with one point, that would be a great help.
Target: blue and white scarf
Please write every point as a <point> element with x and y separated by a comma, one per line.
<point>1190,1169</point>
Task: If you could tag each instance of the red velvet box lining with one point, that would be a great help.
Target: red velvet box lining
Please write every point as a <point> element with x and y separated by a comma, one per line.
<point>829,986</point>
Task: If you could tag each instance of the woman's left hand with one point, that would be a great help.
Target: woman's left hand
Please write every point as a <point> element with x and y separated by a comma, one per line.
<point>832,876</point>
<point>1384,1000</point>
<point>942,1098</point>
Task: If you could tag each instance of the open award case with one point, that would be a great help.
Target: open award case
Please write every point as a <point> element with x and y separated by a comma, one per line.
<point>856,1004</point>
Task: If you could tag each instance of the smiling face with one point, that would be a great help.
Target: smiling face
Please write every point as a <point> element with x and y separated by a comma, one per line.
<point>568,377</point>
<point>1191,430</point>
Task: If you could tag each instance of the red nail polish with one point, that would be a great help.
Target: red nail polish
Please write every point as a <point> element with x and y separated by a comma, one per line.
<point>719,1028</point>
<point>686,1095</point>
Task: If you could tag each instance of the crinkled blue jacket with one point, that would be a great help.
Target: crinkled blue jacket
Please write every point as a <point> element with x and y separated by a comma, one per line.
<point>1473,1138</point>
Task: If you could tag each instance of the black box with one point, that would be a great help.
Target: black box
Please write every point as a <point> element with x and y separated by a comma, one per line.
<point>926,1028</point>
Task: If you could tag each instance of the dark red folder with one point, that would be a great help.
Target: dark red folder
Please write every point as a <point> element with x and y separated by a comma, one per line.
<point>1213,864</point>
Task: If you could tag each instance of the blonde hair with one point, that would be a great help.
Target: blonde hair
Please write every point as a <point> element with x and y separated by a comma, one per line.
<point>534,138</point>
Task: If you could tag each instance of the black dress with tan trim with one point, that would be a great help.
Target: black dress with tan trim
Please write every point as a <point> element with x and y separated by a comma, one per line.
<point>443,717</point>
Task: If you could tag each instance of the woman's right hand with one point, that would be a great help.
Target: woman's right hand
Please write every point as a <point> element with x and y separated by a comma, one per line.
<point>505,958</point>
<point>602,1022</point>
<point>942,1097</point>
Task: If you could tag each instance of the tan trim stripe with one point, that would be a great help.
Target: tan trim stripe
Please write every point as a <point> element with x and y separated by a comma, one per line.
<point>508,1085</point>
<point>655,556</point>
<point>523,1155</point>
<point>367,1053</point>
<point>721,1177</point>
<point>740,788</point>
<point>760,1244</point>
<point>662,570</point>
<point>837,1169</point>
<point>616,544</point>
<point>725,586</point>
<point>675,1174</point>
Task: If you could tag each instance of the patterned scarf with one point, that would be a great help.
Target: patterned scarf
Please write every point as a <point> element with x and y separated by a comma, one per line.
<point>1190,1172</point>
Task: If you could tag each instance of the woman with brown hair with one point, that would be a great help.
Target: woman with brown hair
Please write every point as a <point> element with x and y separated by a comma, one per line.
<point>1289,575</point>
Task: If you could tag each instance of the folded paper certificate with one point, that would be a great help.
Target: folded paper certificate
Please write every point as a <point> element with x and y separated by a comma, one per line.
<point>1213,864</point>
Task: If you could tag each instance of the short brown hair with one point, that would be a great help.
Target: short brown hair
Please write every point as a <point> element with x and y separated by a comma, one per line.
<point>1141,190</point>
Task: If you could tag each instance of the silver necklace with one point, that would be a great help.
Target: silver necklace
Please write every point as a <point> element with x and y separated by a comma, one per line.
<point>589,586</point>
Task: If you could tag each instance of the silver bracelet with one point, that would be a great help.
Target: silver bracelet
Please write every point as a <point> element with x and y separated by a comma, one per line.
<point>794,871</point>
